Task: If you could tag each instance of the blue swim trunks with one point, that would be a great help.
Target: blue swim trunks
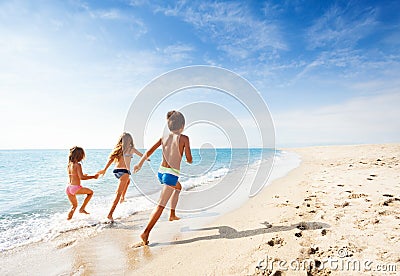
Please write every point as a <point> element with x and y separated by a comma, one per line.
<point>168,176</point>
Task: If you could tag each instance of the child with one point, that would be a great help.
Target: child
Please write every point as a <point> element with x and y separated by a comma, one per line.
<point>173,145</point>
<point>121,156</point>
<point>76,155</point>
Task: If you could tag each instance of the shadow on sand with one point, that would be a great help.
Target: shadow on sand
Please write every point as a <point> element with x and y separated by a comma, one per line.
<point>227,232</point>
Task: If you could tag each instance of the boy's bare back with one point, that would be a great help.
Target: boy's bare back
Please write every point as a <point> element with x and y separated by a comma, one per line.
<point>173,147</point>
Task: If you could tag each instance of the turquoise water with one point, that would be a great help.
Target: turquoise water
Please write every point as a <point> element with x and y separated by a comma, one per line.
<point>33,203</point>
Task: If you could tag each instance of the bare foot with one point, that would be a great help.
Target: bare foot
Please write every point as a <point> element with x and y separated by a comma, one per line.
<point>122,200</point>
<point>140,244</point>
<point>144,241</point>
<point>171,218</point>
<point>145,238</point>
<point>70,214</point>
<point>110,217</point>
<point>83,211</point>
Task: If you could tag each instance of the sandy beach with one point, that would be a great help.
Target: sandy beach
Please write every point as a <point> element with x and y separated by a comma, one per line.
<point>338,213</point>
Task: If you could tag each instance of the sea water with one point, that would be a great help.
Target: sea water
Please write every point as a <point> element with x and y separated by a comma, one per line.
<point>34,206</point>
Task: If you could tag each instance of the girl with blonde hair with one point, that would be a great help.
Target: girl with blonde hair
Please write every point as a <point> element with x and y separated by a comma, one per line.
<point>121,155</point>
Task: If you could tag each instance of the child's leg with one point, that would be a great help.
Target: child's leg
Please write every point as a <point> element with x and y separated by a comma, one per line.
<point>165,196</point>
<point>89,194</point>
<point>124,192</point>
<point>174,201</point>
<point>74,203</point>
<point>121,187</point>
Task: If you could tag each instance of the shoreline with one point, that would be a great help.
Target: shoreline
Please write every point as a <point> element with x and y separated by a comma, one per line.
<point>43,218</point>
<point>164,233</point>
<point>318,208</point>
<point>60,249</point>
<point>54,224</point>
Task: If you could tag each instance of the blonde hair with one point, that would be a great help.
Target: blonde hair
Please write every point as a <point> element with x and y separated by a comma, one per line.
<point>124,144</point>
<point>176,120</point>
<point>76,154</point>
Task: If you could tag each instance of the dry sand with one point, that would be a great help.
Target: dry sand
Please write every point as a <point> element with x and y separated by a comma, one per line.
<point>339,208</point>
<point>342,203</point>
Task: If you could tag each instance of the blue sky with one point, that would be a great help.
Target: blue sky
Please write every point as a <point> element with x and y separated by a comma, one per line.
<point>69,70</point>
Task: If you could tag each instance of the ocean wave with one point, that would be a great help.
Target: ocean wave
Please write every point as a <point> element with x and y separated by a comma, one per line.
<point>37,227</point>
<point>207,178</point>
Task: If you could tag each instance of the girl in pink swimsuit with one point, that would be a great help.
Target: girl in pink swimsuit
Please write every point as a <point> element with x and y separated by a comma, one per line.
<point>76,155</point>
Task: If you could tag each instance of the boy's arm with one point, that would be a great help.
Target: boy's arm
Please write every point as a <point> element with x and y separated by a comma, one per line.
<point>84,176</point>
<point>146,155</point>
<point>188,152</point>
<point>103,171</point>
<point>135,151</point>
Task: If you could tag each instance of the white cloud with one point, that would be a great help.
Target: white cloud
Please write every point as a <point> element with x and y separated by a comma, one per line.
<point>273,10</point>
<point>230,25</point>
<point>371,119</point>
<point>178,52</point>
<point>349,65</point>
<point>107,14</point>
<point>137,3</point>
<point>341,27</point>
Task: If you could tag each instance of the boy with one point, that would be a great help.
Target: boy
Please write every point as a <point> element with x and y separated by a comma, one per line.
<point>173,145</point>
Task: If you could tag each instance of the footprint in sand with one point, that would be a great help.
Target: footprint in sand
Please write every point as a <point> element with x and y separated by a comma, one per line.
<point>390,200</point>
<point>312,250</point>
<point>344,204</point>
<point>338,217</point>
<point>374,221</point>
<point>352,196</point>
<point>386,213</point>
<point>65,244</point>
<point>276,241</point>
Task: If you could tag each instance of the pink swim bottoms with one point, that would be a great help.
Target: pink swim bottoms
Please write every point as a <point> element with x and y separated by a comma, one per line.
<point>72,189</point>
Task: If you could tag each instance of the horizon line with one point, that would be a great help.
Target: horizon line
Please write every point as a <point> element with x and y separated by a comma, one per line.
<point>10,149</point>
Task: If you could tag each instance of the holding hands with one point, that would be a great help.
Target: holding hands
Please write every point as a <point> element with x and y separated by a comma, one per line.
<point>137,167</point>
<point>101,172</point>
<point>91,176</point>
